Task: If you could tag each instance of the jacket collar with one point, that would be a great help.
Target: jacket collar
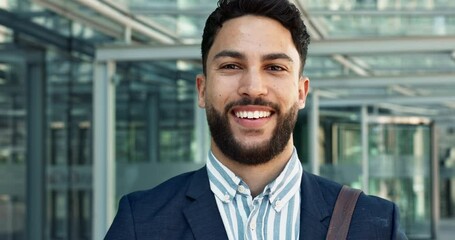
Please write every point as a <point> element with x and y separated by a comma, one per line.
<point>315,211</point>
<point>202,214</point>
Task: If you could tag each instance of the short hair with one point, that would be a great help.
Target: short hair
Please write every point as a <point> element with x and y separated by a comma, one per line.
<point>280,10</point>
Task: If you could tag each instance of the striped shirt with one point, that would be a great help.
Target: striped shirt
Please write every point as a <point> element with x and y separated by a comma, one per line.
<point>273,214</point>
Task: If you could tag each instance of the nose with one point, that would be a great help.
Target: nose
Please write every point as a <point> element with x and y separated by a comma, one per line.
<point>252,84</point>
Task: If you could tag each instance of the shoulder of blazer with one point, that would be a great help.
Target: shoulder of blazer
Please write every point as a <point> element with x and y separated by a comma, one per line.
<point>331,189</point>
<point>372,213</point>
<point>171,192</point>
<point>327,188</point>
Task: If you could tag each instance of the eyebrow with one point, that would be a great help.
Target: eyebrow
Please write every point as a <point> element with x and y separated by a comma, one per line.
<point>238,55</point>
<point>275,56</point>
<point>229,53</point>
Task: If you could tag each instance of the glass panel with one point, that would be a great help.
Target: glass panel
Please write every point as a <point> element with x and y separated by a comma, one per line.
<point>155,104</point>
<point>446,143</point>
<point>156,123</point>
<point>183,18</point>
<point>344,164</point>
<point>399,165</point>
<point>59,215</point>
<point>392,64</point>
<point>187,28</point>
<point>379,4</point>
<point>13,133</point>
<point>348,26</point>
<point>69,100</point>
<point>362,18</point>
<point>6,35</point>
<point>380,65</point>
<point>323,67</point>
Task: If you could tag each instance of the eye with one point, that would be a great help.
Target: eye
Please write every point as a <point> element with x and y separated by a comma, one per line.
<point>229,66</point>
<point>275,68</point>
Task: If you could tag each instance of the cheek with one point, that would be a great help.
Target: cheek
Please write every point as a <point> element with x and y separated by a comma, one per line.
<point>221,92</point>
<point>289,95</point>
<point>216,98</point>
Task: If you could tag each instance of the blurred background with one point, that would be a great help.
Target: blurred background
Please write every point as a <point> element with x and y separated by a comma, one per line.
<point>97,99</point>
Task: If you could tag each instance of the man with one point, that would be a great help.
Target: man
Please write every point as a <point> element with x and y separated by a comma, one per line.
<point>253,186</point>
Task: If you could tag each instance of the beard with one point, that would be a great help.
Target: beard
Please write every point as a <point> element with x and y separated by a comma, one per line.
<point>260,153</point>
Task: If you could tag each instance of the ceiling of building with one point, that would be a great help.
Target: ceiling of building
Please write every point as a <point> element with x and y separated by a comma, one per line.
<point>394,55</point>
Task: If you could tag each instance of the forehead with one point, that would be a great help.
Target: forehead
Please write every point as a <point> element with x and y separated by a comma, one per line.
<point>254,35</point>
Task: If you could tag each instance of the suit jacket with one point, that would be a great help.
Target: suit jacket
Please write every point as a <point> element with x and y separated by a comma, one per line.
<point>184,207</point>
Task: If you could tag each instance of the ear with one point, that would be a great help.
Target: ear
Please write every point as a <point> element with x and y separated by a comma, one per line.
<point>304,87</point>
<point>200,85</point>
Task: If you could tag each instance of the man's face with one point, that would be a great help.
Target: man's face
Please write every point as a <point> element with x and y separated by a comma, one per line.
<point>252,89</point>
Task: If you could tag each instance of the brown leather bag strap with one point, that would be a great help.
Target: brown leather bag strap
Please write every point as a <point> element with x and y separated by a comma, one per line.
<point>342,213</point>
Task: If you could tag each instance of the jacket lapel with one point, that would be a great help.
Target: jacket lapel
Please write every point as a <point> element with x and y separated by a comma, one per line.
<point>315,211</point>
<point>202,214</point>
<point>206,224</point>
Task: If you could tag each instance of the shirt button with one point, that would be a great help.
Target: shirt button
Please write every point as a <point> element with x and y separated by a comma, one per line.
<point>253,225</point>
<point>242,189</point>
<point>278,203</point>
<point>227,198</point>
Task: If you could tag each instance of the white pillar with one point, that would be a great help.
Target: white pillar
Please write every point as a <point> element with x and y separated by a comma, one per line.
<point>313,132</point>
<point>103,148</point>
<point>435,191</point>
<point>365,146</point>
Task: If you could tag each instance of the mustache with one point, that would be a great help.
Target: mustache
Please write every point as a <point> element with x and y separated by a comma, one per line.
<point>250,101</point>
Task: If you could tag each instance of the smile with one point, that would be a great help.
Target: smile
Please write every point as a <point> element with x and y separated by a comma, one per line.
<point>252,114</point>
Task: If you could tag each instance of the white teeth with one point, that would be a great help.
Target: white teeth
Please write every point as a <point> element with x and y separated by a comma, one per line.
<point>252,115</point>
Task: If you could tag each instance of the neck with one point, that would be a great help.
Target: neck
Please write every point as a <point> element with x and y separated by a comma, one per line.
<point>256,176</point>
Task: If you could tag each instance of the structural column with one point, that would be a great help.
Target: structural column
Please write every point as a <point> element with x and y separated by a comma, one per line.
<point>103,148</point>
<point>434,175</point>
<point>313,132</point>
<point>153,125</point>
<point>36,146</point>
<point>365,147</point>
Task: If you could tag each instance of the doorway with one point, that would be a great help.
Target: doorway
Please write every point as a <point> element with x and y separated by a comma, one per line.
<point>397,165</point>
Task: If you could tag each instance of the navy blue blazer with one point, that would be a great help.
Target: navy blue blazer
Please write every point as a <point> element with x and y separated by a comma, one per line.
<point>184,207</point>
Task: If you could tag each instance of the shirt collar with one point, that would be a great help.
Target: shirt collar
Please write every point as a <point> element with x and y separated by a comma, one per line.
<point>225,184</point>
<point>287,184</point>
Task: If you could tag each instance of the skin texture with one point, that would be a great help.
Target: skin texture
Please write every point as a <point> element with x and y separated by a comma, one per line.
<point>253,61</point>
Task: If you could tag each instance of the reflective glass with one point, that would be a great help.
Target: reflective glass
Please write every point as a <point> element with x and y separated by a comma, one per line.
<point>342,158</point>
<point>391,64</point>
<point>155,119</point>
<point>368,18</point>
<point>399,165</point>
<point>380,65</point>
<point>183,19</point>
<point>349,26</point>
<point>378,4</point>
<point>13,148</point>
<point>69,166</point>
<point>83,22</point>
<point>5,35</point>
<point>316,66</point>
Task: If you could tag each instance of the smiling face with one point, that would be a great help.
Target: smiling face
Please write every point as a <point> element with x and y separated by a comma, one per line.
<point>252,89</point>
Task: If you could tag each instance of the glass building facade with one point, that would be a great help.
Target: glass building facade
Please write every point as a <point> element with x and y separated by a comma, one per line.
<point>97,99</point>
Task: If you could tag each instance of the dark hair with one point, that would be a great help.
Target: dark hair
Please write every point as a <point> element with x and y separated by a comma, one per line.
<point>280,10</point>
